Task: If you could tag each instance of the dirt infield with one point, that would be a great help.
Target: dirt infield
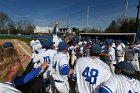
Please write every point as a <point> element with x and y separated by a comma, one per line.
<point>21,47</point>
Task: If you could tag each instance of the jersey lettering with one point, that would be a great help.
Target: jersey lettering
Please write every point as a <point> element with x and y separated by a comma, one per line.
<point>47,59</point>
<point>54,66</point>
<point>90,75</point>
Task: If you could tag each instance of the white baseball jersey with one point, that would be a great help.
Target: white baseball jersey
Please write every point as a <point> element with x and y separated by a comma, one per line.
<point>73,49</point>
<point>123,45</point>
<point>121,84</point>
<point>81,50</point>
<point>113,45</point>
<point>56,40</point>
<point>119,51</point>
<point>90,74</point>
<point>138,46</point>
<point>45,56</point>
<point>60,60</point>
<point>111,52</point>
<point>80,43</point>
<point>61,81</point>
<point>131,55</point>
<point>36,45</point>
<point>8,88</point>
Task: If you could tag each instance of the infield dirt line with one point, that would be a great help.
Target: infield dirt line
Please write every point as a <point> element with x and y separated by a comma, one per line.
<point>22,48</point>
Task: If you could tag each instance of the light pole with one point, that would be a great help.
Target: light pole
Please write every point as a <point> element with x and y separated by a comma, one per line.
<point>137,22</point>
<point>126,8</point>
<point>87,19</point>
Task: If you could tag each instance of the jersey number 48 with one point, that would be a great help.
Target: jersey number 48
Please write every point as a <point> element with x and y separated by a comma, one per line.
<point>90,75</point>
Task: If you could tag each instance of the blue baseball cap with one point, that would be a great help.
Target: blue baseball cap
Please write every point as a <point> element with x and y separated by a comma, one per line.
<point>132,43</point>
<point>126,67</point>
<point>109,42</point>
<point>62,45</point>
<point>47,44</point>
<point>59,33</point>
<point>7,44</point>
<point>95,48</point>
<point>34,37</point>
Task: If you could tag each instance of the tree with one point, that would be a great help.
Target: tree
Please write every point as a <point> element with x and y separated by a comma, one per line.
<point>25,27</point>
<point>4,22</point>
<point>128,26</point>
<point>132,25</point>
<point>124,27</point>
<point>76,30</point>
<point>113,28</point>
<point>121,26</point>
<point>93,30</point>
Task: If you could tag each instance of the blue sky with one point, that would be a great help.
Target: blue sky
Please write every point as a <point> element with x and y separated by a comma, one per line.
<point>45,12</point>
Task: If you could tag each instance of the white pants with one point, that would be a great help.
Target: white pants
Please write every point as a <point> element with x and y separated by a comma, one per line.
<point>135,64</point>
<point>62,87</point>
<point>112,68</point>
<point>119,59</point>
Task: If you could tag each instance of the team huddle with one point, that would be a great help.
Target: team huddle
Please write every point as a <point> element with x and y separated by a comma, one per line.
<point>95,67</point>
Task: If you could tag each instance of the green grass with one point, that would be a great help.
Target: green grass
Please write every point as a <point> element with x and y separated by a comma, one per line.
<point>26,40</point>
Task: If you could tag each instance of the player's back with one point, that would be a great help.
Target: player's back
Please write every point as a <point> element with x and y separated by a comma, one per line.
<point>90,74</point>
<point>35,44</point>
<point>52,53</point>
<point>5,88</point>
<point>123,84</point>
<point>59,58</point>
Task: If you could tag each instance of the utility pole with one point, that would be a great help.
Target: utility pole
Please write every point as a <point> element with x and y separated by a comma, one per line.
<point>8,30</point>
<point>137,21</point>
<point>87,19</point>
<point>126,8</point>
<point>67,24</point>
<point>100,29</point>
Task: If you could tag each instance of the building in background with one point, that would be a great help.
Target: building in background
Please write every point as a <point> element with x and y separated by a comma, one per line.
<point>39,30</point>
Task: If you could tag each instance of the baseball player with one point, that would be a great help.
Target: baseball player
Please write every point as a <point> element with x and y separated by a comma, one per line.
<point>20,80</point>
<point>123,81</point>
<point>123,48</point>
<point>119,52</point>
<point>132,55</point>
<point>56,35</point>
<point>45,55</point>
<point>61,69</point>
<point>72,50</point>
<point>57,39</point>
<point>35,46</point>
<point>110,56</point>
<point>9,67</point>
<point>90,72</point>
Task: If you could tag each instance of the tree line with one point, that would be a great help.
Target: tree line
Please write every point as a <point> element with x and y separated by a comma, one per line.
<point>128,25</point>
<point>8,26</point>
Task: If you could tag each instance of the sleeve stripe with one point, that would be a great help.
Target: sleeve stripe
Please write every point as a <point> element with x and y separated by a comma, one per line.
<point>108,89</point>
<point>63,66</point>
<point>74,77</point>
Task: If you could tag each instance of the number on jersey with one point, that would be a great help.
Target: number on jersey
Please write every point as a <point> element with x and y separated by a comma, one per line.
<point>47,59</point>
<point>90,75</point>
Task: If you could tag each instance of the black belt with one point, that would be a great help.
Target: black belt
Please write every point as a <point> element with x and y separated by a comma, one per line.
<point>133,60</point>
<point>59,81</point>
<point>113,60</point>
